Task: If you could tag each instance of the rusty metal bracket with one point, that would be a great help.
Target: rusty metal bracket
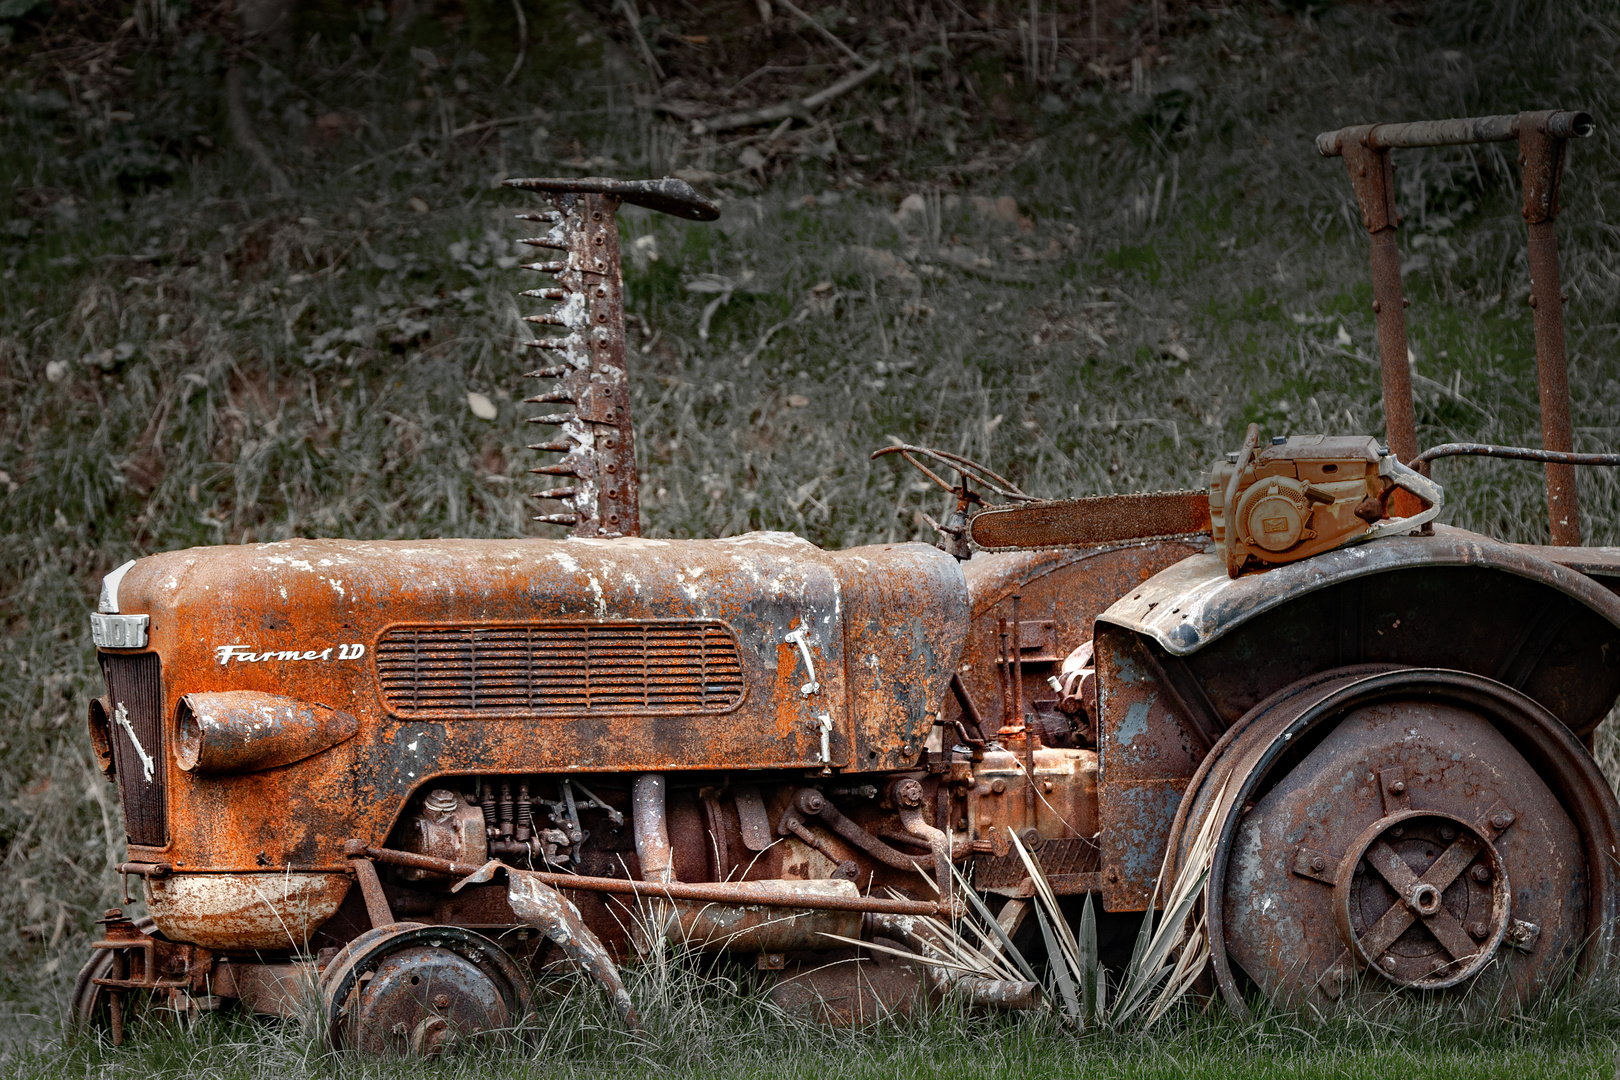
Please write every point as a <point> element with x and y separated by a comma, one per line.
<point>1392,789</point>
<point>1316,865</point>
<point>365,872</point>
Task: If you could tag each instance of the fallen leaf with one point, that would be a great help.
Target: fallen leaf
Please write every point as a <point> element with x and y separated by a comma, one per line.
<point>419,204</point>
<point>481,406</point>
<point>797,401</point>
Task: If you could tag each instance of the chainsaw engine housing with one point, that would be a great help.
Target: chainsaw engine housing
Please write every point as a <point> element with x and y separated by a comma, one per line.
<point>1301,496</point>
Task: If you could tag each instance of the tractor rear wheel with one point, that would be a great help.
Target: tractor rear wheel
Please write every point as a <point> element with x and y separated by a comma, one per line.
<point>1403,829</point>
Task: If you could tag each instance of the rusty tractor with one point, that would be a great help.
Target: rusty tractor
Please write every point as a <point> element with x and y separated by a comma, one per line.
<point>401,776</point>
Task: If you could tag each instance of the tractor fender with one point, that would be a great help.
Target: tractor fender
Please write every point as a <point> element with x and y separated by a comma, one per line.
<point>1193,603</point>
<point>1187,653</point>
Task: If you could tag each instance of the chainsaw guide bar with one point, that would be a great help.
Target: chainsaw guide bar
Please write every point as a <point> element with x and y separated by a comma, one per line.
<point>1094,521</point>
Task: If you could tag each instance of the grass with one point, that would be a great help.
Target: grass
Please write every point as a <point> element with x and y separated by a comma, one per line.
<point>699,1024</point>
<point>187,357</point>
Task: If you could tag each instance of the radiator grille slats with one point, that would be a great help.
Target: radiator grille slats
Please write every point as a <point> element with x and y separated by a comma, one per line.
<point>559,669</point>
<point>135,685</point>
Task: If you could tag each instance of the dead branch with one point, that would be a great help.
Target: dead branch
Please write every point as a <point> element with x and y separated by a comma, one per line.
<point>828,34</point>
<point>633,17</point>
<point>242,132</point>
<point>786,110</point>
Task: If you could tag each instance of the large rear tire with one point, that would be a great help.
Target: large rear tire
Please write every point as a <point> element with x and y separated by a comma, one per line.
<point>1403,829</point>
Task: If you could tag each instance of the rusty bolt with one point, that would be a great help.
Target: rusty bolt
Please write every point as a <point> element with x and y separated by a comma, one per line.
<point>1398,831</point>
<point>907,793</point>
<point>1398,788</point>
<point>1447,833</point>
<point>1502,820</point>
<point>1481,874</point>
<point>112,914</point>
<point>1388,962</point>
<point>1377,307</point>
<point>998,786</point>
<point>1318,863</point>
<point>811,802</point>
<point>441,1001</point>
<point>1361,867</point>
<point>1478,930</point>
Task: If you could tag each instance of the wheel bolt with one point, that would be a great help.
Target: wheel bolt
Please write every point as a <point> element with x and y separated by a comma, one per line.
<point>1361,867</point>
<point>441,1001</point>
<point>1398,831</point>
<point>1502,820</point>
<point>1478,930</point>
<point>1447,833</point>
<point>1398,787</point>
<point>1481,874</point>
<point>1388,962</point>
<point>1318,864</point>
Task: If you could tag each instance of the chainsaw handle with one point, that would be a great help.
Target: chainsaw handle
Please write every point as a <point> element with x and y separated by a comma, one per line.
<point>1409,480</point>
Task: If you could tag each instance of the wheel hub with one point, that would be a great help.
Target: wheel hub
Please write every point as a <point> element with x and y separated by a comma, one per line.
<point>1423,898</point>
<point>411,989</point>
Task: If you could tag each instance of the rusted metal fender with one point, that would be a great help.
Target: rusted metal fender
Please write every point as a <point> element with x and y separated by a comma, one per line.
<point>1184,655</point>
<point>1194,603</point>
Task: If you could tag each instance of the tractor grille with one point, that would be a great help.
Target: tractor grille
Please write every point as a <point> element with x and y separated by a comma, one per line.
<point>559,669</point>
<point>135,685</point>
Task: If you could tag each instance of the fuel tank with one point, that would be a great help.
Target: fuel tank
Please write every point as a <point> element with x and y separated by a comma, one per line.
<point>508,656</point>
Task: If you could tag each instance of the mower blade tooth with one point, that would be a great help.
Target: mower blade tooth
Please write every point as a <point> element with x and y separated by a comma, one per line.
<point>558,519</point>
<point>554,418</point>
<point>560,494</point>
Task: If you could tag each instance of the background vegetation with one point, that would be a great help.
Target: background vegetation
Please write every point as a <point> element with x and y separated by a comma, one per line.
<point>247,285</point>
